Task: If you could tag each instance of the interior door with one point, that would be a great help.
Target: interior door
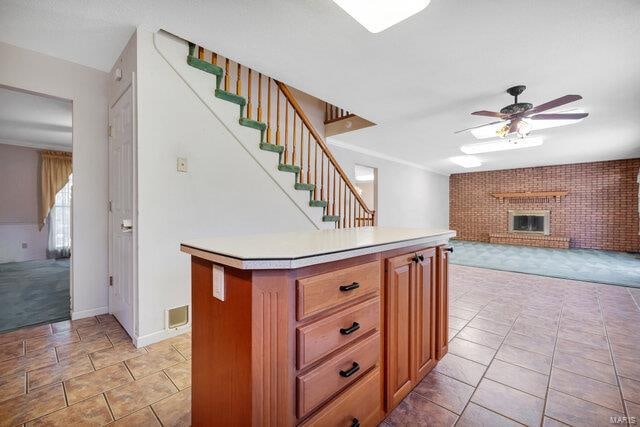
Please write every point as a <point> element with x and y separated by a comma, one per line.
<point>425,312</point>
<point>121,135</point>
<point>400,351</point>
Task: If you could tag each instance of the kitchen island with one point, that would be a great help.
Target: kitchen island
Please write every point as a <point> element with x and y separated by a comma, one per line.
<point>329,327</point>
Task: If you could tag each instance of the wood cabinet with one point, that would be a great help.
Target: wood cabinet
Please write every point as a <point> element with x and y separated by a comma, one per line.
<point>411,309</point>
<point>442,301</point>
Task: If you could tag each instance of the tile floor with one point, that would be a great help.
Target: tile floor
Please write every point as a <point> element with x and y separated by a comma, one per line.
<point>523,350</point>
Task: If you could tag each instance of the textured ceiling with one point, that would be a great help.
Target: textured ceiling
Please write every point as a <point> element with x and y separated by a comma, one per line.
<point>418,80</point>
<point>34,120</point>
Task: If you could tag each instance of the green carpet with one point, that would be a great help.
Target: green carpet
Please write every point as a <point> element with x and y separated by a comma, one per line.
<point>589,265</point>
<point>33,292</point>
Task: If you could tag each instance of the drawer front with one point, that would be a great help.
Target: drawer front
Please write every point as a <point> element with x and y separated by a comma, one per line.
<point>317,386</point>
<point>360,403</point>
<point>324,336</point>
<point>324,291</point>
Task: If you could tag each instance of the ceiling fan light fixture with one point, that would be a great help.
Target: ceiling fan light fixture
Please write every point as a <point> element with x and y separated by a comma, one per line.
<point>466,161</point>
<point>378,15</point>
<point>501,145</point>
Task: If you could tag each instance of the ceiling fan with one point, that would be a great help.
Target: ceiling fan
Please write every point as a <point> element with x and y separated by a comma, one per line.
<point>517,117</point>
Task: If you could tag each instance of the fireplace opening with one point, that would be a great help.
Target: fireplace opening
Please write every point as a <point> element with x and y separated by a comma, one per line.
<point>529,222</point>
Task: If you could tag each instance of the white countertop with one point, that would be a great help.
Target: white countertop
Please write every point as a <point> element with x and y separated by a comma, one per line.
<point>295,250</point>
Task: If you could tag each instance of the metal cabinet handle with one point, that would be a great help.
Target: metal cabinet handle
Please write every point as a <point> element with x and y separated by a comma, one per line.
<point>421,257</point>
<point>415,258</point>
<point>347,288</point>
<point>449,249</point>
<point>350,329</point>
<point>352,370</point>
<point>355,422</point>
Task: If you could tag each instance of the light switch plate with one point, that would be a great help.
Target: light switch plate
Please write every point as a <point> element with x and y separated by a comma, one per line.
<point>182,164</point>
<point>218,282</point>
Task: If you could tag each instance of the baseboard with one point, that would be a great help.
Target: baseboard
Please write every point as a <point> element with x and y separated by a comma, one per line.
<point>154,337</point>
<point>75,315</point>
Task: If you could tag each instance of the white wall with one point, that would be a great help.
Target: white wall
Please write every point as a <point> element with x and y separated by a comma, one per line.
<point>407,195</point>
<point>87,88</point>
<point>224,191</point>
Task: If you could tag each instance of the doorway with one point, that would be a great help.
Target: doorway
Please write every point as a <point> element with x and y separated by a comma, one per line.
<point>366,182</point>
<point>36,193</point>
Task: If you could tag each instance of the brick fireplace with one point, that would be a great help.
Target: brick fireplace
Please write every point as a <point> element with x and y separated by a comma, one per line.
<point>599,210</point>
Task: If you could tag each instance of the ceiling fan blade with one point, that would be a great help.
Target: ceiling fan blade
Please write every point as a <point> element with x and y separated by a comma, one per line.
<point>559,116</point>
<point>552,104</point>
<point>481,126</point>
<point>489,114</point>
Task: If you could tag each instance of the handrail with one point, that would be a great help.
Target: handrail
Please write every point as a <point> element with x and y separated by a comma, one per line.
<point>320,141</point>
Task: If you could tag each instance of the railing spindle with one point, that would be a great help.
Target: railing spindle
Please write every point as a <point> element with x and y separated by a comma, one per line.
<point>286,132</point>
<point>322,177</point>
<point>214,58</point>
<point>249,106</point>
<point>293,152</point>
<point>278,118</point>
<point>200,52</point>
<point>344,205</point>
<point>269,110</point>
<point>226,74</point>
<point>334,191</point>
<point>315,173</point>
<point>301,174</point>
<point>259,97</point>
<point>239,80</point>
<point>308,157</point>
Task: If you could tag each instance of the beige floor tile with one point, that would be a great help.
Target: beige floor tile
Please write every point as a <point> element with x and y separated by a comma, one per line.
<point>184,349</point>
<point>82,348</point>
<point>40,343</point>
<point>59,372</point>
<point>90,412</point>
<point>630,390</point>
<point>587,368</point>
<point>70,325</point>
<point>96,382</point>
<point>481,337</point>
<point>13,385</point>
<point>138,394</point>
<point>25,333</point>
<point>180,374</point>
<point>117,354</point>
<point>415,410</point>
<point>472,351</point>
<point>445,391</point>
<point>477,416</point>
<point>586,351</point>
<point>27,407</point>
<point>154,361</point>
<point>526,359</point>
<point>28,362</point>
<point>507,401</point>
<point>489,326</point>
<point>175,410</point>
<point>520,378</point>
<point>142,418</point>
<point>11,350</point>
<point>461,369</point>
<point>594,391</point>
<point>577,412</point>
<point>539,344</point>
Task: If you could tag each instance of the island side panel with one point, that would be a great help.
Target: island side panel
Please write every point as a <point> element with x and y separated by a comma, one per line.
<point>273,348</point>
<point>221,340</point>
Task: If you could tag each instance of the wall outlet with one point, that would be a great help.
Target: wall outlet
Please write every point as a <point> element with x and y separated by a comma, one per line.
<point>24,245</point>
<point>182,164</point>
<point>218,282</point>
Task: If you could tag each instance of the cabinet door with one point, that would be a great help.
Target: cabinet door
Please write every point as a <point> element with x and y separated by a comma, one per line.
<point>425,318</point>
<point>442,297</point>
<point>400,359</point>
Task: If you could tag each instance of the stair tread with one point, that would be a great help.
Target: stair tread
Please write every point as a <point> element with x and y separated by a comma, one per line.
<point>318,203</point>
<point>288,168</point>
<point>306,187</point>
<point>205,66</point>
<point>330,218</point>
<point>231,97</point>
<point>271,147</point>
<point>253,124</point>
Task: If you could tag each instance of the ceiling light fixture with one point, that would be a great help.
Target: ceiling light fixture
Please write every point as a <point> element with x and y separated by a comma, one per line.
<point>501,145</point>
<point>378,15</point>
<point>466,161</point>
<point>491,131</point>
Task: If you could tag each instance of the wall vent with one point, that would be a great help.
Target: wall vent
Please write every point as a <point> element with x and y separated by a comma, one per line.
<point>177,317</point>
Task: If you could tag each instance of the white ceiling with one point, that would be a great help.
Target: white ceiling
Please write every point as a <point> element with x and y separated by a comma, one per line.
<point>418,80</point>
<point>34,120</point>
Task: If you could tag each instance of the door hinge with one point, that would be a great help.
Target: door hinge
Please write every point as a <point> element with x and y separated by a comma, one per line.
<point>110,135</point>
<point>110,280</point>
<point>110,206</point>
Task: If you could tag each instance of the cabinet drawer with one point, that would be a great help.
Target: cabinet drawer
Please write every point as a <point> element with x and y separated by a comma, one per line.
<point>360,403</point>
<point>320,338</point>
<point>321,292</point>
<point>315,387</point>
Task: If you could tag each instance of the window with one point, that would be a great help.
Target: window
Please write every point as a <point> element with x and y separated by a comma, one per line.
<point>60,224</point>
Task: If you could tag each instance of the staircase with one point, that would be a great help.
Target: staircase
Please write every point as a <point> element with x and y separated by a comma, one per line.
<point>269,107</point>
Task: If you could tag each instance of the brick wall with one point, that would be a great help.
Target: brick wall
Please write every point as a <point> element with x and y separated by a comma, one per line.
<point>600,211</point>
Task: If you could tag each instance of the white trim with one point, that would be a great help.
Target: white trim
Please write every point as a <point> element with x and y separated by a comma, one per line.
<point>88,313</point>
<point>154,337</point>
<point>372,153</point>
<point>36,145</point>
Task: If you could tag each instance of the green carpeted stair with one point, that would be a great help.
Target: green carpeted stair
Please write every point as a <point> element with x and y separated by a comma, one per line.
<point>217,71</point>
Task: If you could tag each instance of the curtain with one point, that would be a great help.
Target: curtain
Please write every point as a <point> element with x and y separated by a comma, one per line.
<point>59,244</point>
<point>55,169</point>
